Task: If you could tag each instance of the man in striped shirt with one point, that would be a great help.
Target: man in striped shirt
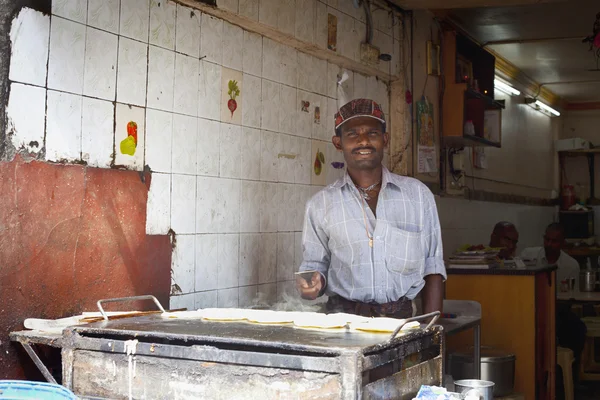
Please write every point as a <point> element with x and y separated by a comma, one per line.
<point>371,240</point>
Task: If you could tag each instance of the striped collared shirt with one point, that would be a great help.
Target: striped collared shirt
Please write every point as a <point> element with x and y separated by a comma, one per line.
<point>407,242</point>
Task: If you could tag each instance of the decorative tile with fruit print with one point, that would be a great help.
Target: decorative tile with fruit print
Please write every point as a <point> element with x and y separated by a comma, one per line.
<point>231,96</point>
<point>319,163</point>
<point>129,137</point>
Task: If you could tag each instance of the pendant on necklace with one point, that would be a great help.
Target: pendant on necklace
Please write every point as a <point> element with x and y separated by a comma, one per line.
<point>370,242</point>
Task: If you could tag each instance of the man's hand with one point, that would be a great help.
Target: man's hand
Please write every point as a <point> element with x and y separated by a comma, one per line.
<point>310,290</point>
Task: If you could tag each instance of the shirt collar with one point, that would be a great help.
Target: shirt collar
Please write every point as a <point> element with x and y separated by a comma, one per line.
<point>386,177</point>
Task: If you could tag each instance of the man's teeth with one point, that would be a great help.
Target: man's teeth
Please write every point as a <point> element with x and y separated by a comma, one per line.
<point>364,152</point>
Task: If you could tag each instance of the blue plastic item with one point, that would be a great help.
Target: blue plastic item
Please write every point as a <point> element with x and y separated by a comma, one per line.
<point>26,390</point>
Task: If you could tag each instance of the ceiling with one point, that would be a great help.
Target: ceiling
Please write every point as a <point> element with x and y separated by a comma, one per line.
<point>541,38</point>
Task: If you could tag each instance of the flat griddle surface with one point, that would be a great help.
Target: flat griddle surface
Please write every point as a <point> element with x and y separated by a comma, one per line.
<point>201,332</point>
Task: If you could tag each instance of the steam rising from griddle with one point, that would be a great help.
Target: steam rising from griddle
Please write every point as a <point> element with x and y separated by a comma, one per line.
<point>288,303</point>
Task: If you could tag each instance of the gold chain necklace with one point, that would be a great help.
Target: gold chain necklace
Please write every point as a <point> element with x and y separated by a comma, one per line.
<point>363,200</point>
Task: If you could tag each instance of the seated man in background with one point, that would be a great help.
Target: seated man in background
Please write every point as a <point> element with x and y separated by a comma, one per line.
<point>505,237</point>
<point>551,253</point>
<point>570,330</point>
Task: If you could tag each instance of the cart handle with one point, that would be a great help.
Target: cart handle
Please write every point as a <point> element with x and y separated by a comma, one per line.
<point>144,297</point>
<point>435,315</point>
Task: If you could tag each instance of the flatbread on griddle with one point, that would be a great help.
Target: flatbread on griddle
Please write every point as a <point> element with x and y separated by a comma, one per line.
<point>383,325</point>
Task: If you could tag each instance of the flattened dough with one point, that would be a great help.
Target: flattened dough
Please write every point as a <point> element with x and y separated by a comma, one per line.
<point>223,314</point>
<point>383,325</point>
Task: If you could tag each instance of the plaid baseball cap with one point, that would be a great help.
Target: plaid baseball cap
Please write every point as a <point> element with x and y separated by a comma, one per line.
<point>359,108</point>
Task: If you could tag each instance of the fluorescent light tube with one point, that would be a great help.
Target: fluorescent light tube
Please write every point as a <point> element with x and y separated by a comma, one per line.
<point>547,108</point>
<point>503,87</point>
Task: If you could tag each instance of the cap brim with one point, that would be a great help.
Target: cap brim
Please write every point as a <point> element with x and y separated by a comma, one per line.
<point>359,116</point>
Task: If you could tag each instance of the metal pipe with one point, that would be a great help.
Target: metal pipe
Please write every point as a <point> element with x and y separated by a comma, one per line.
<point>570,82</point>
<point>534,40</point>
<point>36,359</point>
<point>367,7</point>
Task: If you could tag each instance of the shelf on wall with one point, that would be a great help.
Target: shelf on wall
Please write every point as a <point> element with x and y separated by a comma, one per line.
<point>574,153</point>
<point>489,102</point>
<point>468,141</point>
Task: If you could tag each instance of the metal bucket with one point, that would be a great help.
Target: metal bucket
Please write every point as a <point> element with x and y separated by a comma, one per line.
<point>587,281</point>
<point>475,389</point>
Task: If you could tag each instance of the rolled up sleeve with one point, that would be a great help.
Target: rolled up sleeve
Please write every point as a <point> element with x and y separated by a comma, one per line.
<point>434,253</point>
<point>315,251</point>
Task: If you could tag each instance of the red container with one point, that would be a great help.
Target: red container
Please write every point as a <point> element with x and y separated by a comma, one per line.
<point>568,197</point>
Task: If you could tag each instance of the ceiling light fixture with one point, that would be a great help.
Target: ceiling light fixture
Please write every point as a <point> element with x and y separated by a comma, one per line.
<point>541,107</point>
<point>505,88</point>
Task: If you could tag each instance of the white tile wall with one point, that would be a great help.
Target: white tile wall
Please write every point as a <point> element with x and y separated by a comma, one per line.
<point>211,39</point>
<point>187,33</point>
<point>63,126</point>
<point>104,14</point>
<point>161,76</point>
<point>207,258</point>
<point>135,19</point>
<point>233,190</point>
<point>183,264</point>
<point>206,299</point>
<point>185,135</point>
<point>252,53</point>
<point>162,23</point>
<point>67,53</point>
<point>233,41</point>
<point>230,151</point>
<point>209,91</point>
<point>29,35</point>
<point>252,101</point>
<point>100,68</point>
<point>75,10</point>
<point>97,118</point>
<point>159,136</point>
<point>183,204</point>
<point>132,72</point>
<point>209,140</point>
<point>158,214</point>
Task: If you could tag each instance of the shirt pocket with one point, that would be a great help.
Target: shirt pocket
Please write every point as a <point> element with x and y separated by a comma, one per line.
<point>404,251</point>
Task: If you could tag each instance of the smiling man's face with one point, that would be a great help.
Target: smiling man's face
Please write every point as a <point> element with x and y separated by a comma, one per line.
<point>362,141</point>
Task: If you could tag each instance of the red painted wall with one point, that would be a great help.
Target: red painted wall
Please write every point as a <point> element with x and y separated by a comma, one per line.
<point>69,236</point>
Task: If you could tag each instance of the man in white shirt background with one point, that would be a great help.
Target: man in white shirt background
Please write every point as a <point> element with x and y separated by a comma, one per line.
<point>570,330</point>
<point>552,253</point>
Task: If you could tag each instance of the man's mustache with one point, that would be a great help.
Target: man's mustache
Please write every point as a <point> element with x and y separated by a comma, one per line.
<point>363,149</point>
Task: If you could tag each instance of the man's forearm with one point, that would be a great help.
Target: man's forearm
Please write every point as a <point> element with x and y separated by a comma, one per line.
<point>432,297</point>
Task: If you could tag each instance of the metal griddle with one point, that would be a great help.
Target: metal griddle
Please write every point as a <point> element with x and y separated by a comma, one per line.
<point>276,336</point>
<point>156,357</point>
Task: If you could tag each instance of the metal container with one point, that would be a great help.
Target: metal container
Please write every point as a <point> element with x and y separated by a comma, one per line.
<point>475,389</point>
<point>587,280</point>
<point>497,366</point>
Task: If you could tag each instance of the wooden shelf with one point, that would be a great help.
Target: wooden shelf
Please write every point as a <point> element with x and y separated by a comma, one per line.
<point>489,102</point>
<point>575,153</point>
<point>468,141</point>
<point>462,104</point>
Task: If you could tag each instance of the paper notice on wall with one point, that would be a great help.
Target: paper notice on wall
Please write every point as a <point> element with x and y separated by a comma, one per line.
<point>427,160</point>
<point>479,158</point>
